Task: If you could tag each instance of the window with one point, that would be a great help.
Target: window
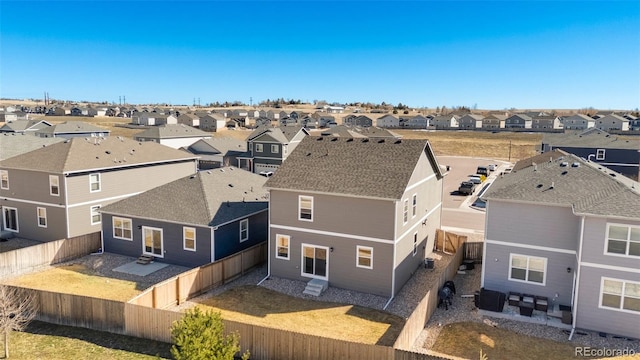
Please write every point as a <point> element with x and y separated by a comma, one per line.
<point>54,185</point>
<point>527,269</point>
<point>600,154</point>
<point>415,244</point>
<point>244,230</point>
<point>620,295</point>
<point>274,149</point>
<point>4,179</point>
<point>305,208</point>
<point>414,205</point>
<point>94,182</point>
<point>405,211</point>
<point>364,257</point>
<point>152,240</point>
<point>10,218</point>
<point>189,238</point>
<point>258,147</point>
<point>623,240</point>
<point>282,247</point>
<point>42,216</point>
<point>95,215</point>
<point>121,228</point>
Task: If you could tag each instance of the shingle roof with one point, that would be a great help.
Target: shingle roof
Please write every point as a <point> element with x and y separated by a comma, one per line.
<point>73,127</point>
<point>282,134</point>
<point>92,153</point>
<point>590,138</point>
<point>222,145</point>
<point>360,167</point>
<point>588,188</point>
<point>171,131</point>
<point>12,144</point>
<point>207,198</point>
<point>19,125</point>
<point>359,132</point>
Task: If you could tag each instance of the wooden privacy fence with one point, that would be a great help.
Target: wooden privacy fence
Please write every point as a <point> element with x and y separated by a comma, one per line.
<point>449,242</point>
<point>48,253</point>
<point>194,282</point>
<point>473,251</point>
<point>427,306</point>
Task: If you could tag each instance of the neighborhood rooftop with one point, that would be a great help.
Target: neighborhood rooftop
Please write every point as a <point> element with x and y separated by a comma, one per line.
<point>590,138</point>
<point>359,167</point>
<point>282,134</point>
<point>73,127</point>
<point>92,153</point>
<point>207,198</point>
<point>171,131</point>
<point>14,144</point>
<point>569,180</point>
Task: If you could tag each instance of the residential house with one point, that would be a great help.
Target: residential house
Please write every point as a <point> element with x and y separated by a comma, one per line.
<point>470,122</point>
<point>612,122</point>
<point>105,111</point>
<point>414,122</point>
<point>175,136</point>
<point>357,120</point>
<point>494,121</point>
<point>346,131</point>
<point>388,121</point>
<point>367,220</point>
<point>8,116</point>
<point>268,147</point>
<point>55,192</point>
<point>212,122</point>
<point>189,119</point>
<point>546,122</point>
<point>153,118</point>
<point>569,231</point>
<point>446,122</point>
<point>13,144</point>
<point>58,111</point>
<point>24,126</point>
<point>578,122</point>
<point>518,121</point>
<point>217,152</point>
<point>334,109</point>
<point>191,221</point>
<point>71,129</point>
<point>619,155</point>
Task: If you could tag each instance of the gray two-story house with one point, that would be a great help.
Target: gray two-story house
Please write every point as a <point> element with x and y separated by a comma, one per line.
<point>567,230</point>
<point>56,192</point>
<point>354,213</point>
<point>268,147</point>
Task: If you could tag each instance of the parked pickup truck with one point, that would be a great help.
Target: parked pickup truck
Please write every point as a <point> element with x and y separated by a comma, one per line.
<point>467,188</point>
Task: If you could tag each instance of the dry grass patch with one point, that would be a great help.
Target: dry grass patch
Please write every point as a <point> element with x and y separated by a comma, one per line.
<point>77,279</point>
<point>259,306</point>
<point>466,339</point>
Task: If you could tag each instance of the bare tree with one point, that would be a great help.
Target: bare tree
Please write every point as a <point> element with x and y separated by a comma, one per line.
<point>17,308</point>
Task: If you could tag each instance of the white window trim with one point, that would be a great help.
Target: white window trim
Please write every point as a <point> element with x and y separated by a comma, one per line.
<point>57,180</point>
<point>123,220</point>
<point>259,147</point>
<point>246,223</point>
<point>544,274</point>
<point>91,183</point>
<point>600,154</point>
<point>620,309</point>
<point>313,276</point>
<point>4,220</point>
<point>144,251</point>
<point>300,207</point>
<point>358,247</point>
<point>414,205</point>
<point>44,217</point>
<point>405,211</point>
<point>184,238</point>
<point>606,241</point>
<point>4,173</point>
<point>91,214</point>
<point>274,149</point>
<point>288,247</point>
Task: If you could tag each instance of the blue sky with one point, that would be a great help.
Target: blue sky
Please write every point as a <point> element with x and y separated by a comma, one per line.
<point>494,55</point>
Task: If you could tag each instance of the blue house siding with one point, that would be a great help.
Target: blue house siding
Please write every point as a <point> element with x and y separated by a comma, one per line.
<point>624,161</point>
<point>227,237</point>
<point>172,238</point>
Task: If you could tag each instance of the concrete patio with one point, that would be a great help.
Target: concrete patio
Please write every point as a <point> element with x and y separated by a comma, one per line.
<point>551,318</point>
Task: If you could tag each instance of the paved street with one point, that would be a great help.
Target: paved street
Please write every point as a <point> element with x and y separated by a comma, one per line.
<point>457,215</point>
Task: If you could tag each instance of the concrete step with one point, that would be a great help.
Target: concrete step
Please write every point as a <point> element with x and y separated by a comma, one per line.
<point>315,287</point>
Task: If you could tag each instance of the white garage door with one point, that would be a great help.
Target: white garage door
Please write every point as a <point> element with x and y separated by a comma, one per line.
<point>257,168</point>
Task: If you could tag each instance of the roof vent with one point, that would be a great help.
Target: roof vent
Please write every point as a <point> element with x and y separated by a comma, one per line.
<point>349,139</point>
<point>564,164</point>
<point>564,172</point>
<point>398,141</point>
<point>208,172</point>
<point>535,166</point>
<point>230,185</point>
<point>613,174</point>
<point>365,140</point>
<point>575,164</point>
<point>380,141</point>
<point>108,152</point>
<point>539,186</point>
<point>552,185</point>
<point>319,138</point>
<point>334,139</point>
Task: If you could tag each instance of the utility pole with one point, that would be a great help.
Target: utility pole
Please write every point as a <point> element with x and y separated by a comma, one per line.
<point>509,150</point>
<point>250,101</point>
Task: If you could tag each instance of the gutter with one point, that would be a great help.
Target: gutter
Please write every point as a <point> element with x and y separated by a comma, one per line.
<point>575,300</point>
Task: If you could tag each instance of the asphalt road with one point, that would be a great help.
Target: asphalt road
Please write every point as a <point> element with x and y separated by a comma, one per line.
<point>457,215</point>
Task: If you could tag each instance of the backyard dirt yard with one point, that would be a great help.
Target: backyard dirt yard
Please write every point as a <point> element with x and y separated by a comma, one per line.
<point>264,307</point>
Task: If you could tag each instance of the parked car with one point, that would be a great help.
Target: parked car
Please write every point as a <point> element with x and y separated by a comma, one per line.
<point>508,170</point>
<point>467,188</point>
<point>475,179</point>
<point>482,170</point>
<point>492,167</point>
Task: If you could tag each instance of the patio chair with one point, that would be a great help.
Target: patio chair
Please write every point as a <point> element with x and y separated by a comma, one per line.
<point>514,298</point>
<point>542,303</point>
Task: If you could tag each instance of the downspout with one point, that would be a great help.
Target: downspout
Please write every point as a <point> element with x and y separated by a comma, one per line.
<point>484,246</point>
<point>574,303</point>
<point>269,241</point>
<point>393,272</point>
<point>66,206</point>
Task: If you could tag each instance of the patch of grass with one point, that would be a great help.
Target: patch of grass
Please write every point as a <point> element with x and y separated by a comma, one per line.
<point>466,339</point>
<point>264,307</point>
<point>48,341</point>
<point>77,279</point>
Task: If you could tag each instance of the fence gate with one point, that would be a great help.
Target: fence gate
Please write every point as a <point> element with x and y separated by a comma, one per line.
<point>473,251</point>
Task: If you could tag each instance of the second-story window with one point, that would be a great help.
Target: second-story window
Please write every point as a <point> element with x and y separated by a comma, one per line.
<point>54,185</point>
<point>414,205</point>
<point>305,208</point>
<point>244,230</point>
<point>623,240</point>
<point>4,179</point>
<point>94,182</point>
<point>405,211</point>
<point>258,147</point>
<point>600,154</point>
<point>274,149</point>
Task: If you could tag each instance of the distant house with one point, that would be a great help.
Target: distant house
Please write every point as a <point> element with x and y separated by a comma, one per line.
<point>414,122</point>
<point>470,122</point>
<point>358,120</point>
<point>578,122</point>
<point>268,147</point>
<point>189,119</point>
<point>493,121</point>
<point>14,144</point>
<point>71,129</point>
<point>569,232</point>
<point>8,116</point>
<point>518,121</point>
<point>372,132</point>
<point>217,152</point>
<point>446,122</point>
<point>334,109</point>
<point>175,136</point>
<point>388,121</point>
<point>546,122</point>
<point>56,192</point>
<point>153,119</point>
<point>352,227</point>
<point>212,122</point>
<point>612,122</point>
<point>619,155</point>
<point>191,221</point>
<point>22,126</point>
